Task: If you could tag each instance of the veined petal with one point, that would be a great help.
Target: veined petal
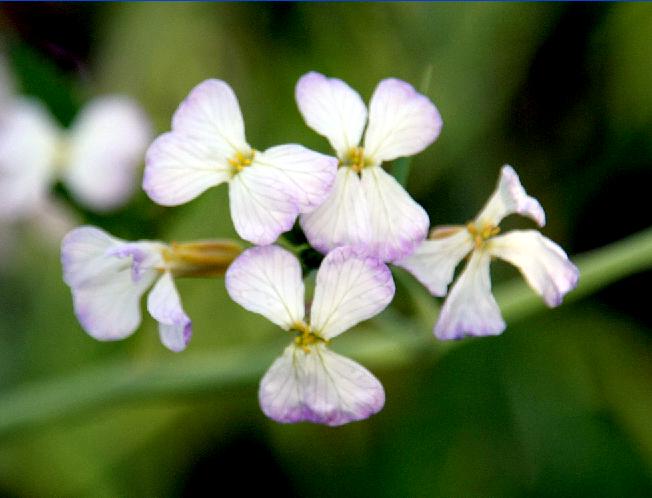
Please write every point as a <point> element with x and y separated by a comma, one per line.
<point>164,304</point>
<point>470,308</point>
<point>319,386</point>
<point>210,114</point>
<point>333,109</point>
<point>106,296</point>
<point>262,207</point>
<point>402,122</point>
<point>306,175</point>
<point>398,223</point>
<point>342,219</point>
<point>267,280</point>
<point>351,287</point>
<point>543,263</point>
<point>510,197</point>
<point>29,141</point>
<point>433,262</point>
<point>179,168</point>
<point>107,144</point>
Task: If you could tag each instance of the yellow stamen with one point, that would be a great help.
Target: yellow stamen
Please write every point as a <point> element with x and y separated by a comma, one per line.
<point>305,337</point>
<point>241,160</point>
<point>481,235</point>
<point>355,159</point>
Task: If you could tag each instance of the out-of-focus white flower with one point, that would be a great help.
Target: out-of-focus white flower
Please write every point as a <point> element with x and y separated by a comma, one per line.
<point>96,158</point>
<point>108,276</point>
<point>470,308</point>
<point>207,147</point>
<point>309,382</point>
<point>367,205</point>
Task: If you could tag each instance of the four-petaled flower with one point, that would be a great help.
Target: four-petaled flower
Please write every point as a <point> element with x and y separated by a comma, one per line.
<point>108,277</point>
<point>309,382</point>
<point>207,146</point>
<point>96,159</point>
<point>470,308</point>
<point>367,206</point>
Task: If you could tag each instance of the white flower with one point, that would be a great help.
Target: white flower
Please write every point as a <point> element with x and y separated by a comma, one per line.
<point>368,206</point>
<point>308,382</point>
<point>207,146</point>
<point>96,158</point>
<point>470,308</point>
<point>108,276</point>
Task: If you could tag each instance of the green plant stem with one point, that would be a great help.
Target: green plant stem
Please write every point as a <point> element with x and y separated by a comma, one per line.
<point>105,384</point>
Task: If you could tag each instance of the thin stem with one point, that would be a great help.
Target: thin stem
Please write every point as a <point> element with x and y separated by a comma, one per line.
<point>396,343</point>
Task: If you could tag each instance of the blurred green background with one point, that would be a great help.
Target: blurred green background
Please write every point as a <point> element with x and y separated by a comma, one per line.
<point>559,405</point>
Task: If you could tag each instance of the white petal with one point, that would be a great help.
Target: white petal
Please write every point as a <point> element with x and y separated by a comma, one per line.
<point>106,281</point>
<point>342,219</point>
<point>29,140</point>
<point>178,169</point>
<point>402,122</point>
<point>306,175</point>
<point>470,308</point>
<point>398,223</point>
<point>433,262</point>
<point>319,386</point>
<point>211,115</point>
<point>543,263</point>
<point>510,197</point>
<point>164,304</point>
<point>262,206</point>
<point>351,287</point>
<point>107,145</point>
<point>333,109</point>
<point>267,280</point>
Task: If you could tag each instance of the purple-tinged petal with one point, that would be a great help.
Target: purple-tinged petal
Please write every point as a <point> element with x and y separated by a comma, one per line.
<point>398,223</point>
<point>319,386</point>
<point>107,145</point>
<point>178,169</point>
<point>211,115</point>
<point>433,262</point>
<point>351,287</point>
<point>106,298</point>
<point>307,176</point>
<point>510,197</point>
<point>543,263</point>
<point>342,219</point>
<point>333,109</point>
<point>267,280</point>
<point>470,308</point>
<point>402,122</point>
<point>262,206</point>
<point>164,304</point>
<point>29,142</point>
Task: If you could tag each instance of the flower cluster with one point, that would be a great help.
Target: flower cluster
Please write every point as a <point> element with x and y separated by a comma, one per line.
<point>349,208</point>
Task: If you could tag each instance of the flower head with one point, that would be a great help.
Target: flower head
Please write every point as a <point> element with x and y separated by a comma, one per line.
<point>309,382</point>
<point>367,205</point>
<point>470,308</point>
<point>96,158</point>
<point>108,277</point>
<point>207,146</point>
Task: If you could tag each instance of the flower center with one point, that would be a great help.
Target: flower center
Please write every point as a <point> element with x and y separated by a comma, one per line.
<point>305,337</point>
<point>241,160</point>
<point>355,159</point>
<point>482,234</point>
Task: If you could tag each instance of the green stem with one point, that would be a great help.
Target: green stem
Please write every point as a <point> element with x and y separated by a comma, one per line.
<point>397,342</point>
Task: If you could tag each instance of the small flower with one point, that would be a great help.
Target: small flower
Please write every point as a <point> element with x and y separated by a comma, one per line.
<point>309,382</point>
<point>367,205</point>
<point>96,158</point>
<point>108,277</point>
<point>470,308</point>
<point>207,146</point>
